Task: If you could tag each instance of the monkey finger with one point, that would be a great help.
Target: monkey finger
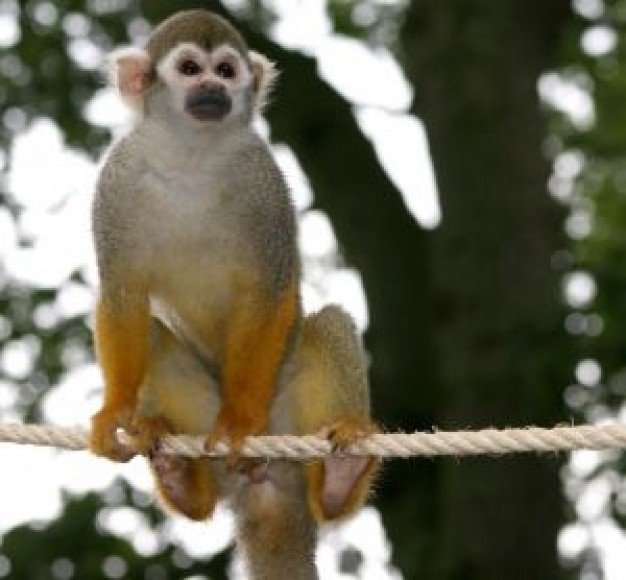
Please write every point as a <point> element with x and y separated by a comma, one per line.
<point>108,445</point>
<point>104,440</point>
<point>146,433</point>
<point>234,460</point>
<point>232,429</point>
<point>212,440</point>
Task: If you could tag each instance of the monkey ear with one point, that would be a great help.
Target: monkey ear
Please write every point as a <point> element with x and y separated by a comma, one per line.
<point>265,75</point>
<point>129,70</point>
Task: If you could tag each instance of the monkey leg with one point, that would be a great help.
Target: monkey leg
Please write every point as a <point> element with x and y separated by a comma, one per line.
<point>255,349</point>
<point>338,486</point>
<point>331,396</point>
<point>121,337</point>
<point>178,395</point>
<point>185,485</point>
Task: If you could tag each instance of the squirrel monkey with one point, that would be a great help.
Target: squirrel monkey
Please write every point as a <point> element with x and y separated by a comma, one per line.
<point>198,326</point>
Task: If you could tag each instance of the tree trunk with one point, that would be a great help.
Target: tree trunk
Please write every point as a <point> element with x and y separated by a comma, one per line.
<point>475,67</point>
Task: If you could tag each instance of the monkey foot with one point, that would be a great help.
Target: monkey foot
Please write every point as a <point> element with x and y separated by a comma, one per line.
<point>345,480</point>
<point>347,431</point>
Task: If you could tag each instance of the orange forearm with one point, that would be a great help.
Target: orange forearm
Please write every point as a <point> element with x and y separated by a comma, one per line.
<point>255,350</point>
<point>121,337</point>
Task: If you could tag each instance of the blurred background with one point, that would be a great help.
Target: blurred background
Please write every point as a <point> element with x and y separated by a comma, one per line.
<point>459,168</point>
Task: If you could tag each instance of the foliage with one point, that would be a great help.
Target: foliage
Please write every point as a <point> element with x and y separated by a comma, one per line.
<point>592,159</point>
<point>70,547</point>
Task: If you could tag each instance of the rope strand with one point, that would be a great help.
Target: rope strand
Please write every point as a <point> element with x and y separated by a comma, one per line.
<point>457,443</point>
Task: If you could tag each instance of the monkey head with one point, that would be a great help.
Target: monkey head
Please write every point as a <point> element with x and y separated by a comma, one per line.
<point>196,67</point>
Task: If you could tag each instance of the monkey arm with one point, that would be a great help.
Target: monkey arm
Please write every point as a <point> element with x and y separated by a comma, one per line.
<point>122,347</point>
<point>121,335</point>
<point>266,303</point>
<point>255,349</point>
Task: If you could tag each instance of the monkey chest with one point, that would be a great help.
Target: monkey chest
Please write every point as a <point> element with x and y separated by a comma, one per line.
<point>190,221</point>
<point>194,243</point>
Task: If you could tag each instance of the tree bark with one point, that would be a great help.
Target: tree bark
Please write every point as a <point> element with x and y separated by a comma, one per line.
<point>475,66</point>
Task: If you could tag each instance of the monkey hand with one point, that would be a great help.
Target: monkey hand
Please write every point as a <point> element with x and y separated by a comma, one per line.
<point>146,433</point>
<point>233,425</point>
<point>104,426</point>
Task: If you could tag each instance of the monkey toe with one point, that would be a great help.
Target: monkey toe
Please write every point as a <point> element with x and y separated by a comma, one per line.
<point>347,431</point>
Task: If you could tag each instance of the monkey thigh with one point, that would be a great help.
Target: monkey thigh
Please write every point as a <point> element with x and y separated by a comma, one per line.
<point>179,395</point>
<point>330,394</point>
<point>186,486</point>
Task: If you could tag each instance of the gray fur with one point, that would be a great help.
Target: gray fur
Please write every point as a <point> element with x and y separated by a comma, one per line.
<point>200,27</point>
<point>269,215</point>
<point>275,530</point>
<point>171,192</point>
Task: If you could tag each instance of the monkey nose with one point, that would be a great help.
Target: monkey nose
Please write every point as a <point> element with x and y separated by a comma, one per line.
<point>208,103</point>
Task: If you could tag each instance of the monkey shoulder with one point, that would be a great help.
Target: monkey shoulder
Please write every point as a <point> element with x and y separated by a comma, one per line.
<point>262,190</point>
<point>114,205</point>
<point>268,212</point>
<point>118,177</point>
<point>122,162</point>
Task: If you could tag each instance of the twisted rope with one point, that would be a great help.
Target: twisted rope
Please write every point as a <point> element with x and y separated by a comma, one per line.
<point>485,442</point>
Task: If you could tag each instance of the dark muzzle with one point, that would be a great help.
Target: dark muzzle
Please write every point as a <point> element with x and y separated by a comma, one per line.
<point>208,103</point>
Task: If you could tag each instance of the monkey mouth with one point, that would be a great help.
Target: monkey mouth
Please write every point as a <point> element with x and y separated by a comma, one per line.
<point>208,104</point>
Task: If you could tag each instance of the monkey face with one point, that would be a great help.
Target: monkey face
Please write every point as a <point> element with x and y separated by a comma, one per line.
<point>207,87</point>
<point>195,68</point>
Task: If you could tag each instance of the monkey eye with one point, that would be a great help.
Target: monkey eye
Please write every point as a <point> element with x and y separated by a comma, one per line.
<point>225,70</point>
<point>189,68</point>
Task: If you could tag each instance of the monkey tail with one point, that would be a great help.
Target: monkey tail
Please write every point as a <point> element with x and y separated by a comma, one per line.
<point>276,533</point>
